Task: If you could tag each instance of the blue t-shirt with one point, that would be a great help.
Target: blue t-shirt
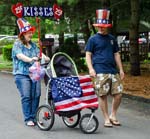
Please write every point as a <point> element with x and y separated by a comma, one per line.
<point>103,48</point>
<point>19,66</point>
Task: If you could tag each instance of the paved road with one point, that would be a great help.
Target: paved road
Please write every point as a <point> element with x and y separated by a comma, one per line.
<point>134,116</point>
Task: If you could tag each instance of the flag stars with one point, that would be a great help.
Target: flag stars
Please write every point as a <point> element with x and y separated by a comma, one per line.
<point>69,87</point>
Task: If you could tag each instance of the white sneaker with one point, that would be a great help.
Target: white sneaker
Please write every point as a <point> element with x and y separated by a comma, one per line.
<point>30,123</point>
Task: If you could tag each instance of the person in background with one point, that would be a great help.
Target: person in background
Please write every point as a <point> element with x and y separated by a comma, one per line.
<point>103,61</point>
<point>24,53</point>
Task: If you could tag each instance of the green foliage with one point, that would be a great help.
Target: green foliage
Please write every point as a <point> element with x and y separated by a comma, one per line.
<point>73,51</point>
<point>149,55</point>
<point>6,42</point>
<point>76,10</point>
<point>4,64</point>
<point>81,65</point>
<point>8,21</point>
<point>147,61</point>
<point>69,2</point>
<point>1,50</point>
<point>7,50</point>
<point>35,40</point>
<point>70,48</point>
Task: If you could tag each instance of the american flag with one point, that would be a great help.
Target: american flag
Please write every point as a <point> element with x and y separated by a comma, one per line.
<point>73,93</point>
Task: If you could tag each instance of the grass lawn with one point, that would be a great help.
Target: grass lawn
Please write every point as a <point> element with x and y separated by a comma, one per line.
<point>5,65</point>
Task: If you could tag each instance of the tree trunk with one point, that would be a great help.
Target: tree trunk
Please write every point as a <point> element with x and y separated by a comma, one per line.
<point>114,19</point>
<point>61,39</point>
<point>133,36</point>
<point>85,22</point>
<point>86,30</point>
<point>105,4</point>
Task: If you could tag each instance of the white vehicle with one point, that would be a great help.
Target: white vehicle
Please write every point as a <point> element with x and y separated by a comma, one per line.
<point>141,40</point>
<point>81,43</point>
<point>55,47</point>
<point>2,36</point>
<point>8,38</point>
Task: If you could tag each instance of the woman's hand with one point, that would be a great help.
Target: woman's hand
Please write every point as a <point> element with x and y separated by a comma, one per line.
<point>34,59</point>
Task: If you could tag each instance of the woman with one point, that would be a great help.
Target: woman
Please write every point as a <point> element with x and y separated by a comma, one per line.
<point>24,53</point>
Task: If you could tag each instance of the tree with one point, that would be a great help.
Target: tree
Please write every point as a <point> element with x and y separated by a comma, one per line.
<point>80,13</point>
<point>7,22</point>
<point>133,36</point>
<point>105,3</point>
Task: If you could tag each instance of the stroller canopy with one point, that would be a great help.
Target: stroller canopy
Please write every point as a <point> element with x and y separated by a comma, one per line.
<point>62,65</point>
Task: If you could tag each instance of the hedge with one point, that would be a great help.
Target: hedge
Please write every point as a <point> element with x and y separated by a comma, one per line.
<point>7,50</point>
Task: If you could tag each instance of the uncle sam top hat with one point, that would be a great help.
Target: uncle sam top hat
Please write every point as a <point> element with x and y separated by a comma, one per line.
<point>102,20</point>
<point>24,26</point>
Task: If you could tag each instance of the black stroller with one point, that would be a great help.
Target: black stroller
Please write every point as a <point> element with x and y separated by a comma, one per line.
<point>66,96</point>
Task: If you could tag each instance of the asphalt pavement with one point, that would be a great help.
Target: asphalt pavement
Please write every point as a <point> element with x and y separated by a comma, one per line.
<point>134,115</point>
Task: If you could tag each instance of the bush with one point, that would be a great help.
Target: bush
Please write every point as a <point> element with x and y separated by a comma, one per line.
<point>6,42</point>
<point>73,50</point>
<point>7,50</point>
<point>1,50</point>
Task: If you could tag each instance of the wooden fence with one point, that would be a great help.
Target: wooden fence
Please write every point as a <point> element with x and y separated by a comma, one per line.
<point>125,51</point>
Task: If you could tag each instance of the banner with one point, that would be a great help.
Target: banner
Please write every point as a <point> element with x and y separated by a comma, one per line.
<point>33,11</point>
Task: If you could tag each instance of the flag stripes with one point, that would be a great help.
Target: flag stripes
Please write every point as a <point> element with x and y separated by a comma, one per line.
<point>88,98</point>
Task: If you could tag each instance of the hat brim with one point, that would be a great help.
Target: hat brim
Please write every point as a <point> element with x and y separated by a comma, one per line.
<point>103,25</point>
<point>33,29</point>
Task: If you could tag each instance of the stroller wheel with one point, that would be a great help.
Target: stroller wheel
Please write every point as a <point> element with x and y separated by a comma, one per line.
<point>45,117</point>
<point>73,121</point>
<point>88,124</point>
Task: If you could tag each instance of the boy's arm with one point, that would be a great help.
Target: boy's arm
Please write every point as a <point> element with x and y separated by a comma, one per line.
<point>119,64</point>
<point>89,64</point>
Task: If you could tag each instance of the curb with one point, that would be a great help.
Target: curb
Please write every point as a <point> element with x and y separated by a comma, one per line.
<point>8,72</point>
<point>137,98</point>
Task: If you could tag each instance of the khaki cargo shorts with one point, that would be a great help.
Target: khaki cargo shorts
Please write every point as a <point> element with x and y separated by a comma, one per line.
<point>108,84</point>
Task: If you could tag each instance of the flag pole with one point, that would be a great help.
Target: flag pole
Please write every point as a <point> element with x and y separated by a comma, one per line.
<point>39,41</point>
